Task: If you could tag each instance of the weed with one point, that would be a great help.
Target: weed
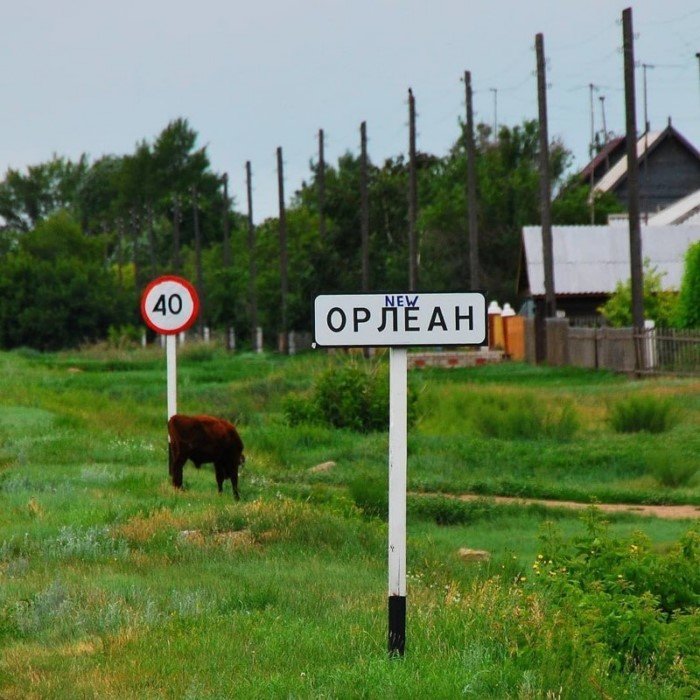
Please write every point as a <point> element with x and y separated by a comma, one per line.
<point>643,413</point>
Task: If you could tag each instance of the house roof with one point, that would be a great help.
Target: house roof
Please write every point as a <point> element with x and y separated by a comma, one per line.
<point>605,152</point>
<point>619,170</point>
<point>684,211</point>
<point>646,144</point>
<point>594,259</point>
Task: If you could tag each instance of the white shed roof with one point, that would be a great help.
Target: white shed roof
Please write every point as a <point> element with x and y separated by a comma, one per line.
<point>684,211</point>
<point>593,259</point>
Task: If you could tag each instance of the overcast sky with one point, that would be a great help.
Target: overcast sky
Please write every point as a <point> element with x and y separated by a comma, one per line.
<point>95,77</point>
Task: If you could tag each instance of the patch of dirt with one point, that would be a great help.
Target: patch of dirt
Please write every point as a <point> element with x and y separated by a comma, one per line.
<point>668,512</point>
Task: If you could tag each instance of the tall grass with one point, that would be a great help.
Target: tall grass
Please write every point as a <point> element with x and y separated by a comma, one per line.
<point>114,585</point>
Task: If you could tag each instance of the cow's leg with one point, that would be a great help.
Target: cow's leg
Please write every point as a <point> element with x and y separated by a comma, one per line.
<point>220,475</point>
<point>176,471</point>
<point>234,484</point>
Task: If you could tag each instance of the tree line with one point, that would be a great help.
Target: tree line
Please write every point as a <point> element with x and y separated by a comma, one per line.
<point>81,239</point>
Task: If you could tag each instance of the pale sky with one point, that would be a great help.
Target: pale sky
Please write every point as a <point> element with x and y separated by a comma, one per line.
<point>97,77</point>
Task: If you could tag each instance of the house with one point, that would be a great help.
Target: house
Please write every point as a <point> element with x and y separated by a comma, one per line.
<point>684,211</point>
<point>589,262</point>
<point>669,169</point>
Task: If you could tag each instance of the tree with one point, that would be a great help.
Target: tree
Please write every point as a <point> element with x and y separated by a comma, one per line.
<point>689,299</point>
<point>659,305</point>
<point>27,199</point>
<point>572,206</point>
<point>56,290</point>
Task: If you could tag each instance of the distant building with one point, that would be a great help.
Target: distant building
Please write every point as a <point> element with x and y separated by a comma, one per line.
<point>669,169</point>
<point>589,262</point>
<point>684,211</point>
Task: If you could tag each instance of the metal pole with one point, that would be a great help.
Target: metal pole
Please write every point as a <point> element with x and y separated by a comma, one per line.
<point>398,407</point>
<point>171,373</point>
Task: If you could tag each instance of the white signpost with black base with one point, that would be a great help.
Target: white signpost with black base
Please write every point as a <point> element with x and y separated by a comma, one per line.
<point>399,321</point>
<point>169,305</point>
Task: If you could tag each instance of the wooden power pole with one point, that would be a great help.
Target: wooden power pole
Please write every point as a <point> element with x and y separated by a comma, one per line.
<point>198,260</point>
<point>474,277</point>
<point>252,263</point>
<point>545,185</point>
<point>284,283</point>
<point>226,224</point>
<point>412,196</point>
<point>364,207</point>
<point>633,174</point>
<point>321,184</point>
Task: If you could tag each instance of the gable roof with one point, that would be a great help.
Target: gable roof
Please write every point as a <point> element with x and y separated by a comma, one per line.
<point>646,144</point>
<point>684,211</point>
<point>593,259</point>
<point>608,152</point>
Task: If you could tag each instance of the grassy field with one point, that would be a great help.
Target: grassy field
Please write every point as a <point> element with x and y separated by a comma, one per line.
<point>116,586</point>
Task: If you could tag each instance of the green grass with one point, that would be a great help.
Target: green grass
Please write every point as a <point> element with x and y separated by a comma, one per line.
<point>115,586</point>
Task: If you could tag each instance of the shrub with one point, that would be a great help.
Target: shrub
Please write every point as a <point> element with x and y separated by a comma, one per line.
<point>638,603</point>
<point>350,396</point>
<point>371,494</point>
<point>642,413</point>
<point>522,417</point>
<point>672,468</point>
<point>689,297</point>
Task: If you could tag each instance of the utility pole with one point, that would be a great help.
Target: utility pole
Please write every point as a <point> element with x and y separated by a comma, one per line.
<point>226,224</point>
<point>605,132</point>
<point>474,278</point>
<point>252,263</point>
<point>495,113</point>
<point>644,192</point>
<point>697,55</point>
<point>198,260</point>
<point>284,284</point>
<point>151,239</point>
<point>633,176</point>
<point>176,233</point>
<point>364,207</point>
<point>591,154</point>
<point>645,66</point>
<point>545,186</point>
<point>412,196</point>
<point>321,184</point>
<point>135,232</point>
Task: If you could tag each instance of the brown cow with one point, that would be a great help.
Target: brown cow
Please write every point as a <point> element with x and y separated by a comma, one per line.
<point>205,439</point>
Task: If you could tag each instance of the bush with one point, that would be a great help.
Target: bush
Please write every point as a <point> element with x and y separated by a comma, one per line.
<point>371,494</point>
<point>640,604</point>
<point>522,417</point>
<point>672,469</point>
<point>689,297</point>
<point>348,396</point>
<point>642,413</point>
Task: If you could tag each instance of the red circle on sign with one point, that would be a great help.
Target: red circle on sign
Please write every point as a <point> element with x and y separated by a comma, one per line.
<point>179,320</point>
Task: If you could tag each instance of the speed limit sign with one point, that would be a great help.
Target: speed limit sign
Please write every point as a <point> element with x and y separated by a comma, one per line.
<point>169,305</point>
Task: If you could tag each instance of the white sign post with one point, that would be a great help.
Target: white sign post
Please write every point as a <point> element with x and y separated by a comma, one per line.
<point>169,305</point>
<point>399,321</point>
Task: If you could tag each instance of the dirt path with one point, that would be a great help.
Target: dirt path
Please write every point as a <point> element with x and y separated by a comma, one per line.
<point>668,512</point>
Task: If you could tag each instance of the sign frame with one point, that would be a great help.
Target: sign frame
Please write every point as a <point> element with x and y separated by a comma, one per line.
<point>405,303</point>
<point>187,287</point>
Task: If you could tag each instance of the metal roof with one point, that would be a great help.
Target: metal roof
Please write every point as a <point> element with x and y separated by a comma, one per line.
<point>684,211</point>
<point>593,259</point>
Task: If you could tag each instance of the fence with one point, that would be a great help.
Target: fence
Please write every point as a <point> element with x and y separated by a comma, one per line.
<point>653,351</point>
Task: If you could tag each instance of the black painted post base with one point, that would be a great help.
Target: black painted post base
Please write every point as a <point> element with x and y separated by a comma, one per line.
<point>397,625</point>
